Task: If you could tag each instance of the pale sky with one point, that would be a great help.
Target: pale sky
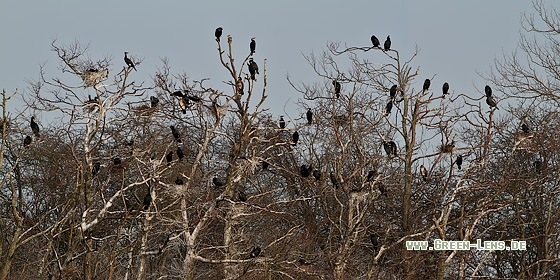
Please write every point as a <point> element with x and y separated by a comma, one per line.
<point>456,38</point>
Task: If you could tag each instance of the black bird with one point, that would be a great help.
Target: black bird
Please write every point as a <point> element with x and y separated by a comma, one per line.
<point>370,175</point>
<point>373,239</point>
<point>426,86</point>
<point>390,148</point>
<point>180,153</point>
<point>387,44</point>
<point>491,102</point>
<point>27,141</point>
<point>317,174</point>
<point>255,252</point>
<point>525,128</point>
<point>253,45</point>
<point>393,92</point>
<point>241,196</point>
<point>375,41</point>
<point>218,183</point>
<point>334,180</point>
<point>253,68</point>
<point>309,116</point>
<point>382,189</point>
<point>194,98</point>
<point>34,127</point>
<point>178,93</point>
<point>337,88</point>
<point>176,134</point>
<point>388,108</point>
<point>305,170</point>
<point>424,172</point>
<point>538,166</point>
<point>154,101</point>
<point>264,165</point>
<point>184,104</point>
<point>147,200</point>
<point>169,157</point>
<point>240,86</point>
<point>95,169</point>
<point>282,123</point>
<point>295,138</point>
<point>218,33</point>
<point>128,62</point>
<point>445,89</point>
<point>488,91</point>
<point>117,161</point>
<point>179,181</point>
<point>459,161</point>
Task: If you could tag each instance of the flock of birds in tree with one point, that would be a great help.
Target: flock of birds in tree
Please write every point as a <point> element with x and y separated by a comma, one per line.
<point>185,100</point>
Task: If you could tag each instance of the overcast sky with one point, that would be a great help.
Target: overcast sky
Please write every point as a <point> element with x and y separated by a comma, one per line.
<point>456,38</point>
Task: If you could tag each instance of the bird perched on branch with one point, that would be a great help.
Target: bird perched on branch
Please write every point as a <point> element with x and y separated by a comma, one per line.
<point>337,88</point>
<point>370,175</point>
<point>27,141</point>
<point>34,127</point>
<point>424,172</point>
<point>252,45</point>
<point>295,138</point>
<point>488,91</point>
<point>459,161</point>
<point>388,108</point>
<point>255,252</point>
<point>491,102</point>
<point>375,41</point>
<point>253,68</point>
<point>218,182</point>
<point>169,157</point>
<point>129,62</point>
<point>525,128</point>
<point>179,181</point>
<point>426,85</point>
<point>309,116</point>
<point>147,200</point>
<point>393,92</point>
<point>317,174</point>
<point>218,33</point>
<point>95,169</point>
<point>239,86</point>
<point>390,148</point>
<point>282,123</point>
<point>180,153</point>
<point>305,170</point>
<point>154,101</point>
<point>445,89</point>
<point>175,133</point>
<point>387,44</point>
<point>184,104</point>
<point>334,180</point>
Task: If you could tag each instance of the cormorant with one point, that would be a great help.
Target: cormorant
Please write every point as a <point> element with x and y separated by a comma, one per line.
<point>459,161</point>
<point>334,180</point>
<point>387,44</point>
<point>180,153</point>
<point>264,165</point>
<point>538,166</point>
<point>491,102</point>
<point>305,170</point>
<point>95,169</point>
<point>393,92</point>
<point>169,157</point>
<point>116,161</point>
<point>525,128</point>
<point>218,183</point>
<point>179,181</point>
<point>255,252</point>
<point>147,200</point>
<point>128,62</point>
<point>488,91</point>
<point>194,98</point>
<point>426,86</point>
<point>178,93</point>
<point>184,104</point>
<point>253,68</point>
<point>253,45</point>
<point>34,127</point>
<point>337,88</point>
<point>317,174</point>
<point>424,172</point>
<point>239,86</point>
<point>388,108</point>
<point>176,134</point>
<point>282,123</point>
<point>218,33</point>
<point>154,101</point>
<point>382,189</point>
<point>241,196</point>
<point>390,148</point>
<point>370,175</point>
<point>27,141</point>
<point>375,41</point>
<point>445,89</point>
<point>373,239</point>
<point>309,116</point>
<point>295,138</point>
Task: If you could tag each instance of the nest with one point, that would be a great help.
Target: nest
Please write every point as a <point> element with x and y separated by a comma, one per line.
<point>92,77</point>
